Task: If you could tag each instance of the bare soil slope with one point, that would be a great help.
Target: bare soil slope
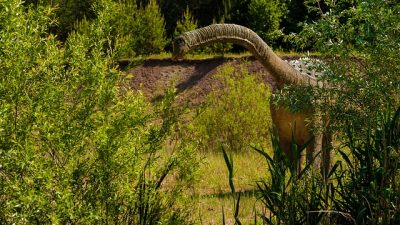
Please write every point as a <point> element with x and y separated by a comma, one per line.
<point>193,79</point>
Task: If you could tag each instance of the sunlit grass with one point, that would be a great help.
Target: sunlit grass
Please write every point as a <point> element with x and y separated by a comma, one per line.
<point>248,167</point>
<point>211,209</point>
<point>211,191</point>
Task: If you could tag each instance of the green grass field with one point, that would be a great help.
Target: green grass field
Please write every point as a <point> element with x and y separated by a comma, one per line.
<point>211,192</point>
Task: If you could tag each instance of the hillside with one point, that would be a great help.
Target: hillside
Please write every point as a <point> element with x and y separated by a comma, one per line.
<point>192,78</point>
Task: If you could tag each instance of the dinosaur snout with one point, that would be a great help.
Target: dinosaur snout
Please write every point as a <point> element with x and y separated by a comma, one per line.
<point>179,48</point>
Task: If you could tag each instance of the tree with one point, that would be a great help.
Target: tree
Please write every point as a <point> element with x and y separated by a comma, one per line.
<point>151,33</point>
<point>265,17</point>
<point>186,23</point>
<point>137,30</point>
<point>67,13</point>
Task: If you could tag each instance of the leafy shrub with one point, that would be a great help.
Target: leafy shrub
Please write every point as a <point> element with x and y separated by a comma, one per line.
<point>140,30</point>
<point>237,114</point>
<point>75,146</point>
<point>265,17</point>
<point>364,72</point>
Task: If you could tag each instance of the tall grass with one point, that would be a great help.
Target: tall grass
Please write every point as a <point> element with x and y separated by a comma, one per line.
<point>363,188</point>
<point>368,177</point>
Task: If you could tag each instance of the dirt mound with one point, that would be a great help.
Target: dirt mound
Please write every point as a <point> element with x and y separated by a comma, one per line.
<point>193,79</point>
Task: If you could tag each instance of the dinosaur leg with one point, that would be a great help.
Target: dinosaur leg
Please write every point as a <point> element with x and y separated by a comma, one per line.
<point>291,128</point>
<point>326,164</point>
<point>314,151</point>
<point>314,154</point>
<point>285,144</point>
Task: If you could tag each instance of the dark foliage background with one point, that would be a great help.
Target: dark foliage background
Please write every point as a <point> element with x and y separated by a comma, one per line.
<point>280,17</point>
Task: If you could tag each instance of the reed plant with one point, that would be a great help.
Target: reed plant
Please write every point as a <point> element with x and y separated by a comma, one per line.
<point>363,183</point>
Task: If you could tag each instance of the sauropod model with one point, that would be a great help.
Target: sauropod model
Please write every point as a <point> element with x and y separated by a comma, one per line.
<point>285,122</point>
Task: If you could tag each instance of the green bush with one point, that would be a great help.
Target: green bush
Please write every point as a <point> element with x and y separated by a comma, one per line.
<point>363,41</point>
<point>236,115</point>
<point>265,17</point>
<point>135,30</point>
<point>75,146</point>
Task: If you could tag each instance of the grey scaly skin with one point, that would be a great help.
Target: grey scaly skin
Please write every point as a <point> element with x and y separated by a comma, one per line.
<point>284,74</point>
<point>236,34</point>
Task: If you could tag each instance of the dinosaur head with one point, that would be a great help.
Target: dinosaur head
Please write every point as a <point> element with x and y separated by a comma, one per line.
<point>180,48</point>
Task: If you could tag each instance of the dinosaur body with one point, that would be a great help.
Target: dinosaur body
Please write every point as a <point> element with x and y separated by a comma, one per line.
<point>284,74</point>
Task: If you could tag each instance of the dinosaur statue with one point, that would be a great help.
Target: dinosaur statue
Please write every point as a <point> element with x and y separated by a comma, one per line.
<point>285,122</point>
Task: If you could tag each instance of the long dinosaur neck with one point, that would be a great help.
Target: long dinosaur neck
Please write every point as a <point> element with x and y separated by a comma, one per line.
<point>282,71</point>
